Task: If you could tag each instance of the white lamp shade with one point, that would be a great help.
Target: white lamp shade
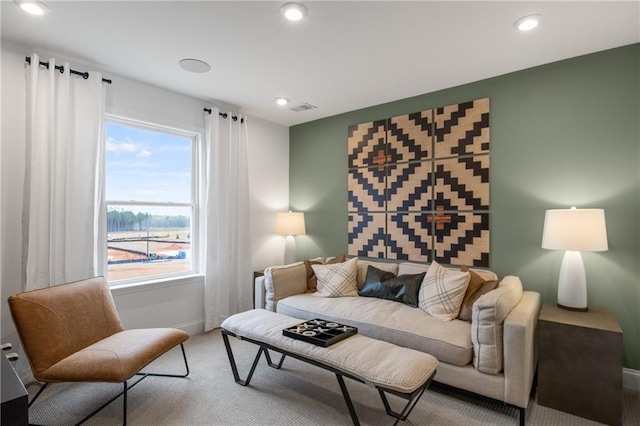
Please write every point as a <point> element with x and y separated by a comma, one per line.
<point>290,223</point>
<point>575,230</point>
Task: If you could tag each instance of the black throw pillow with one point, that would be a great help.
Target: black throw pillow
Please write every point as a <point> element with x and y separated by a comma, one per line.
<point>385,285</point>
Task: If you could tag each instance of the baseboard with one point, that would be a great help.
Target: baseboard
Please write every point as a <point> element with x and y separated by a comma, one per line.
<point>631,379</point>
<point>192,327</point>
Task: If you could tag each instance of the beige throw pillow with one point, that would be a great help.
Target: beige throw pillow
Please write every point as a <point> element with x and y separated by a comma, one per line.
<point>337,280</point>
<point>283,281</point>
<point>477,287</point>
<point>442,292</point>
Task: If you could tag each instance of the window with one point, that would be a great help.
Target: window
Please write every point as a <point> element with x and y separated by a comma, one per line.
<point>150,201</point>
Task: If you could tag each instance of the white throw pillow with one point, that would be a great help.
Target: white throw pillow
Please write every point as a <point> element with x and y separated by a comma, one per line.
<point>442,292</point>
<point>337,279</point>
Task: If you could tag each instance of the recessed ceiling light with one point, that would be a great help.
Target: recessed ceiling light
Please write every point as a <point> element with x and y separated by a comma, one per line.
<point>281,100</point>
<point>528,22</point>
<point>195,65</point>
<point>293,11</point>
<point>33,7</point>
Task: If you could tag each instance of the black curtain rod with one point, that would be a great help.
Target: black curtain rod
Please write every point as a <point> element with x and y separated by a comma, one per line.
<point>84,75</point>
<point>224,115</point>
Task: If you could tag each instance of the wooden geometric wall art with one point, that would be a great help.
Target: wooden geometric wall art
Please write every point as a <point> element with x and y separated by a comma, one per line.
<point>409,137</point>
<point>461,183</point>
<point>409,236</point>
<point>462,239</point>
<point>462,129</point>
<point>418,186</point>
<point>367,234</point>
<point>367,189</point>
<point>409,186</point>
<point>367,144</point>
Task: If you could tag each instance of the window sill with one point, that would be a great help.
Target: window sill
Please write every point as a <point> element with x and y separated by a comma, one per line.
<point>151,285</point>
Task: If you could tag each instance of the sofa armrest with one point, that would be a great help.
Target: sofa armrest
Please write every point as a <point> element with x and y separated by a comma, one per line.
<point>259,293</point>
<point>520,349</point>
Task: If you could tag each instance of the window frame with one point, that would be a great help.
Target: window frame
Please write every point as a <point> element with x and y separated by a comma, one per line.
<point>194,204</point>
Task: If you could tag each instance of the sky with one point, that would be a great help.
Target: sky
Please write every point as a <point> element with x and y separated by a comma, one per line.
<point>144,165</point>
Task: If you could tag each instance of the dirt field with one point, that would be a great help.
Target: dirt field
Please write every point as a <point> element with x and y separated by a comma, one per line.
<point>166,247</point>
<point>123,255</point>
<point>133,270</point>
<point>141,246</point>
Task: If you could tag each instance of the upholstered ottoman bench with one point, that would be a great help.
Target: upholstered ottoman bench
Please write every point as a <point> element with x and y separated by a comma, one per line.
<point>389,368</point>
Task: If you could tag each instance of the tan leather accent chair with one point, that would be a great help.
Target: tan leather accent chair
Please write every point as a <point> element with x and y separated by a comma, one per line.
<point>72,333</point>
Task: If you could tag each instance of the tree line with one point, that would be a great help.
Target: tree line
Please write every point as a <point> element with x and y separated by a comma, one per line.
<point>121,220</point>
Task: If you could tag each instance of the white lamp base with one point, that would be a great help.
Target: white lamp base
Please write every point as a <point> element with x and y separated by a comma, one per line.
<point>289,250</point>
<point>572,283</point>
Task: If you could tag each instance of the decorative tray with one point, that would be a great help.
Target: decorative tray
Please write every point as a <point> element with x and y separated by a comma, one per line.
<point>320,332</point>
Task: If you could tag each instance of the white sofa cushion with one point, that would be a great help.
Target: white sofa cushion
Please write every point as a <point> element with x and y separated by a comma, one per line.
<point>418,268</point>
<point>411,268</point>
<point>489,312</point>
<point>363,265</point>
<point>389,321</point>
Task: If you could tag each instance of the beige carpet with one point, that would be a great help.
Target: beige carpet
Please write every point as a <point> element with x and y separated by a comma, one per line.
<point>298,394</point>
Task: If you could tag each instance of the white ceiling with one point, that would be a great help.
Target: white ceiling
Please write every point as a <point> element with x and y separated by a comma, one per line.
<point>342,57</point>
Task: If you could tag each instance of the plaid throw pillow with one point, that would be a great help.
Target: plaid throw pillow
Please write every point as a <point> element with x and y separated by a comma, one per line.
<point>337,280</point>
<point>442,292</point>
<point>312,281</point>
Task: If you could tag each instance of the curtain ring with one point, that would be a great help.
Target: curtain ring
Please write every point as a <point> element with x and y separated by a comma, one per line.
<point>61,69</point>
<point>85,75</point>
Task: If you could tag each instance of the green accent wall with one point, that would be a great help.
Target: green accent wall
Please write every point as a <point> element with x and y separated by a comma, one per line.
<point>563,134</point>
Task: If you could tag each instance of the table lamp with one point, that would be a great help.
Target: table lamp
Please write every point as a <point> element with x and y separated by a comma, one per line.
<point>574,230</point>
<point>290,224</point>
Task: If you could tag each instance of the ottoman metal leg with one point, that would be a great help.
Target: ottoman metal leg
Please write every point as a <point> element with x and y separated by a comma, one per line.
<point>412,398</point>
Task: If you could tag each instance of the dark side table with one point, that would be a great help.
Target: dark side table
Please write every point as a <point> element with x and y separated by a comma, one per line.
<point>580,363</point>
<point>15,410</point>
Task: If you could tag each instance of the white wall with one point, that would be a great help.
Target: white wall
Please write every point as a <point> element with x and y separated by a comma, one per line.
<point>12,171</point>
<point>269,177</point>
<point>173,304</point>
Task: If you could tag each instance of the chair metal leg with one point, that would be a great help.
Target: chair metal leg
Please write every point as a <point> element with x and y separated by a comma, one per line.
<point>126,387</point>
<point>186,365</point>
<point>38,394</point>
<point>124,405</point>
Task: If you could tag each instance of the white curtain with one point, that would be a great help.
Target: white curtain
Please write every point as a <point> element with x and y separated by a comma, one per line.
<point>227,255</point>
<point>63,166</point>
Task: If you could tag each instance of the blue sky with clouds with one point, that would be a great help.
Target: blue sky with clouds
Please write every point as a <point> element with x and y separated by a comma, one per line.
<point>143,165</point>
